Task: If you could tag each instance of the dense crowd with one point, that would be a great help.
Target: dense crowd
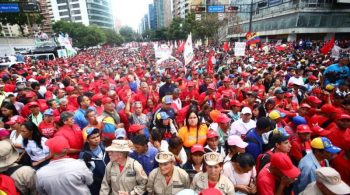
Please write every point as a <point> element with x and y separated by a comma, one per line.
<point>114,121</point>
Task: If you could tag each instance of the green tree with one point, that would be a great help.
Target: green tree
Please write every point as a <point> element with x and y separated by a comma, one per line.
<point>127,33</point>
<point>177,29</point>
<point>112,38</point>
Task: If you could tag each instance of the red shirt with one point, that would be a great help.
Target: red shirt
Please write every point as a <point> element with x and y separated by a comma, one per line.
<point>266,182</point>
<point>296,151</point>
<point>341,164</point>
<point>186,96</point>
<point>9,88</point>
<point>74,136</point>
<point>336,136</point>
<point>47,129</point>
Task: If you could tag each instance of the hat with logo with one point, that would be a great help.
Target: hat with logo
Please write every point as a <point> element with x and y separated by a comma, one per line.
<point>213,158</point>
<point>48,112</point>
<point>197,148</point>
<point>283,163</point>
<point>319,131</point>
<point>167,99</point>
<point>303,128</point>
<point>313,99</point>
<point>324,143</point>
<point>235,140</point>
<point>8,154</point>
<point>332,180</point>
<point>162,115</point>
<point>246,110</point>
<point>223,118</point>
<point>212,134</point>
<point>279,135</point>
<point>16,119</point>
<point>119,146</point>
<point>164,157</point>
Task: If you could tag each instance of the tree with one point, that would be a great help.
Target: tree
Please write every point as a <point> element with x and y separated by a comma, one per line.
<point>176,30</point>
<point>112,38</point>
<point>127,33</point>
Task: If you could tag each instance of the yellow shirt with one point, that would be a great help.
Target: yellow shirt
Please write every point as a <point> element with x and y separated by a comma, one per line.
<point>190,137</point>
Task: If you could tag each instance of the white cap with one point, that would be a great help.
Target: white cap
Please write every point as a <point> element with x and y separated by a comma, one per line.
<point>246,110</point>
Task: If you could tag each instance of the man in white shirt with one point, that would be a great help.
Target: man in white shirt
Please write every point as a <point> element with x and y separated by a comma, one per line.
<point>244,124</point>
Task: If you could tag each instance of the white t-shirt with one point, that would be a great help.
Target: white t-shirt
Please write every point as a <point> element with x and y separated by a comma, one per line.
<point>16,140</point>
<point>240,128</point>
<point>35,152</point>
<point>236,178</point>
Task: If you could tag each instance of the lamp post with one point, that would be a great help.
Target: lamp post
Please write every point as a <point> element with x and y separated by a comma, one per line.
<point>251,16</point>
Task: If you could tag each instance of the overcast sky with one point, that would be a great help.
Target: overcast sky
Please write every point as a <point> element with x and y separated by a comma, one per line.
<point>130,12</point>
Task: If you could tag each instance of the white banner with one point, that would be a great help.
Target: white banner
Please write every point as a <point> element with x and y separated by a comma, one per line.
<point>240,48</point>
<point>188,51</point>
<point>163,51</point>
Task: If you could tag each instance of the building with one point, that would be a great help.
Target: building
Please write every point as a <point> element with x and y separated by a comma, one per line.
<point>291,20</point>
<point>163,10</point>
<point>152,18</point>
<point>86,12</point>
<point>46,12</point>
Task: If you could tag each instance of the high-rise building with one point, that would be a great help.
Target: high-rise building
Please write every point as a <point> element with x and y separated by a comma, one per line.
<point>163,10</point>
<point>46,12</point>
<point>291,20</point>
<point>84,11</point>
<point>152,18</point>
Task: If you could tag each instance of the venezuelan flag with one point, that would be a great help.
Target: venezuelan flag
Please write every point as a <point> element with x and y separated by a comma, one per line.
<point>252,38</point>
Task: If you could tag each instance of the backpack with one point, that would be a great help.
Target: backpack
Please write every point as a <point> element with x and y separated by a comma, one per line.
<point>7,184</point>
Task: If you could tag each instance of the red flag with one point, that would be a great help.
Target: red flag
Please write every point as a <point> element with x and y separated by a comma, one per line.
<point>210,62</point>
<point>226,48</point>
<point>181,47</point>
<point>328,46</point>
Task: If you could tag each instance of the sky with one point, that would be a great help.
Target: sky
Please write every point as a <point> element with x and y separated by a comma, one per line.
<point>130,12</point>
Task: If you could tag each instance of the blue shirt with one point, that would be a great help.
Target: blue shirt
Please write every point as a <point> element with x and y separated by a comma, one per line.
<point>255,143</point>
<point>147,160</point>
<point>79,117</point>
<point>307,165</point>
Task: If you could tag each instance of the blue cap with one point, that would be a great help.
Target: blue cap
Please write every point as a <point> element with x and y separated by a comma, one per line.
<point>91,130</point>
<point>120,133</point>
<point>167,99</point>
<point>162,115</point>
<point>231,76</point>
<point>48,112</point>
<point>299,120</point>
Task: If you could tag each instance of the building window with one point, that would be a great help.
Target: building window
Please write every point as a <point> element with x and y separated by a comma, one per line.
<point>61,7</point>
<point>77,18</point>
<point>74,0</point>
<point>75,5</point>
<point>61,1</point>
<point>64,13</point>
<point>76,12</point>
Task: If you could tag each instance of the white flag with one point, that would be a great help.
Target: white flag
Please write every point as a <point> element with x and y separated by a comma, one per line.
<point>188,51</point>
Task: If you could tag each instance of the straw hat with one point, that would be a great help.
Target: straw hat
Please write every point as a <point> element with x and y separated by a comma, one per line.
<point>8,155</point>
<point>119,146</point>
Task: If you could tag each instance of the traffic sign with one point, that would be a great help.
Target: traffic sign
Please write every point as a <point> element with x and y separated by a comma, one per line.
<point>9,8</point>
<point>216,8</point>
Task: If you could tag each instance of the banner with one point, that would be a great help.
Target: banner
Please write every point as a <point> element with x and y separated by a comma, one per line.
<point>188,51</point>
<point>240,48</point>
<point>162,51</point>
<point>64,40</point>
<point>252,38</point>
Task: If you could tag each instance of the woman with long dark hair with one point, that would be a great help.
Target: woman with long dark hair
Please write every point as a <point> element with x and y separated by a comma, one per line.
<point>194,132</point>
<point>8,110</point>
<point>34,145</point>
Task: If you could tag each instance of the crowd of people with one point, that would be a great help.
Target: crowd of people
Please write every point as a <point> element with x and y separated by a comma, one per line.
<point>113,121</point>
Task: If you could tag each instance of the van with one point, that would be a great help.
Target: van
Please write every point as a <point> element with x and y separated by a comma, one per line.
<point>41,56</point>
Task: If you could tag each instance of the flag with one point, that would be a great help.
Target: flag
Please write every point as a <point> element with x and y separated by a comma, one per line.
<point>226,47</point>
<point>252,38</point>
<point>211,58</point>
<point>181,47</point>
<point>327,47</point>
<point>188,50</point>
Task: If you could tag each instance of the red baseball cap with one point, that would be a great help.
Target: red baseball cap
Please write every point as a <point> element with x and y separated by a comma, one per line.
<point>106,100</point>
<point>313,99</point>
<point>211,86</point>
<point>212,134</point>
<point>312,77</point>
<point>190,84</point>
<point>15,119</point>
<point>69,89</point>
<point>32,104</point>
<point>343,116</point>
<point>283,163</point>
<point>303,129</point>
<point>223,118</point>
<point>319,131</point>
<point>30,94</point>
<point>226,79</point>
<point>57,144</point>
<point>96,97</point>
<point>235,103</point>
<point>197,148</point>
<point>328,108</point>
<point>136,128</point>
<point>305,105</point>
<point>288,94</point>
